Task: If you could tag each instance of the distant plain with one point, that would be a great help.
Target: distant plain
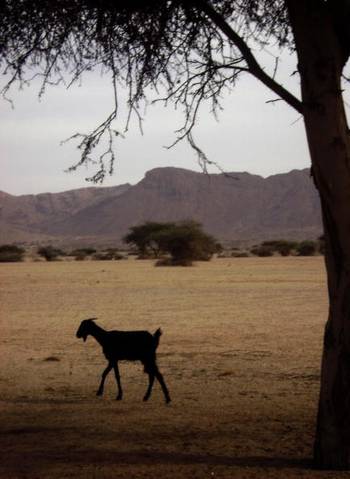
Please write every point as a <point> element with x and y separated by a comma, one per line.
<point>240,352</point>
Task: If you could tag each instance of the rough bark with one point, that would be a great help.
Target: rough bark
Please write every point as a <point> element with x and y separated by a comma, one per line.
<point>321,61</point>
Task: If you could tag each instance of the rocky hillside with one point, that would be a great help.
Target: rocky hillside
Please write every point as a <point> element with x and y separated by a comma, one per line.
<point>30,217</point>
<point>236,206</point>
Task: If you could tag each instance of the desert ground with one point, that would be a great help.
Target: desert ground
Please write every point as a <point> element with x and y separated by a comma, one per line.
<point>240,352</point>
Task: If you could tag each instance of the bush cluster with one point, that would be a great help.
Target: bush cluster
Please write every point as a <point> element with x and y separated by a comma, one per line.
<point>108,255</point>
<point>81,253</point>
<point>268,248</point>
<point>11,253</point>
<point>50,253</point>
<point>287,248</point>
<point>172,244</point>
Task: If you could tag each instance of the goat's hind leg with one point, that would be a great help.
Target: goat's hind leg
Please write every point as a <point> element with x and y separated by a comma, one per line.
<point>104,375</point>
<point>153,372</point>
<point>148,367</point>
<point>161,381</point>
<point>117,377</point>
<point>150,386</point>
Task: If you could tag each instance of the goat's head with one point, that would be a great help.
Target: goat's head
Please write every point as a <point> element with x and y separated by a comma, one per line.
<point>85,328</point>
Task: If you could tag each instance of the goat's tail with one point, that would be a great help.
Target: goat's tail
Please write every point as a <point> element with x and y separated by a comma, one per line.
<point>156,337</point>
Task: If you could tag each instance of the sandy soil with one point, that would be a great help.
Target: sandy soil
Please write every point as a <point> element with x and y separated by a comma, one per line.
<point>240,353</point>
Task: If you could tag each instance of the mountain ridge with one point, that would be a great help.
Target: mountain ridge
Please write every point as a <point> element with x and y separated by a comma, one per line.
<point>232,206</point>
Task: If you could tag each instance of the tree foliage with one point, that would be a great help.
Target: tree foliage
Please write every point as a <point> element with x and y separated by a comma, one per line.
<point>185,242</point>
<point>186,52</point>
<point>50,253</point>
<point>147,238</point>
<point>175,49</point>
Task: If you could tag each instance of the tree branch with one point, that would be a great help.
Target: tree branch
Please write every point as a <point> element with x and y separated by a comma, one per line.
<point>253,66</point>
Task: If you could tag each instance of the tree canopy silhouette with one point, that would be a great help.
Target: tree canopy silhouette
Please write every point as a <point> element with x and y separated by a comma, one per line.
<point>192,51</point>
<point>184,241</point>
<point>147,238</point>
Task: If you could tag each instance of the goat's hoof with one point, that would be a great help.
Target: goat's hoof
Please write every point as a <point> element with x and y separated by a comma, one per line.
<point>119,398</point>
<point>146,398</point>
<point>168,400</point>
<point>99,393</point>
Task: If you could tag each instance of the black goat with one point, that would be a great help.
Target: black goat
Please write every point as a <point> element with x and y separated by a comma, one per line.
<point>126,345</point>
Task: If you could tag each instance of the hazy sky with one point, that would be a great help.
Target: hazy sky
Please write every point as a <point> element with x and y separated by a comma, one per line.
<point>250,136</point>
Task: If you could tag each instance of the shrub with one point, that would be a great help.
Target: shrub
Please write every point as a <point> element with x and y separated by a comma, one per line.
<point>119,256</point>
<point>283,247</point>
<point>172,262</point>
<point>263,251</point>
<point>240,254</point>
<point>83,251</point>
<point>79,255</point>
<point>114,252</point>
<point>50,253</point>
<point>108,255</point>
<point>11,253</point>
<point>307,248</point>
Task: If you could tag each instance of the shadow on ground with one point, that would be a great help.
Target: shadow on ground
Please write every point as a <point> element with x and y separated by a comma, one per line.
<point>113,457</point>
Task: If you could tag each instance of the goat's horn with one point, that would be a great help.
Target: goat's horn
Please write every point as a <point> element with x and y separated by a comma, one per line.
<point>91,319</point>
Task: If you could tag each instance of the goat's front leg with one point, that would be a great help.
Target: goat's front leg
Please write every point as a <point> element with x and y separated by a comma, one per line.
<point>117,377</point>
<point>104,375</point>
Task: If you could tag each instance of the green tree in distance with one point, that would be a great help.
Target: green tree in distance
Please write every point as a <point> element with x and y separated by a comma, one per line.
<point>50,253</point>
<point>193,50</point>
<point>185,242</point>
<point>146,238</point>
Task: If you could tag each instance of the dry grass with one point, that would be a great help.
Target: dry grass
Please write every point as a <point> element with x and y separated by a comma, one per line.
<point>240,353</point>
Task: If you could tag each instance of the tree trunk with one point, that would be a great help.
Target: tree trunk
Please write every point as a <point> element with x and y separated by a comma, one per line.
<point>320,65</point>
